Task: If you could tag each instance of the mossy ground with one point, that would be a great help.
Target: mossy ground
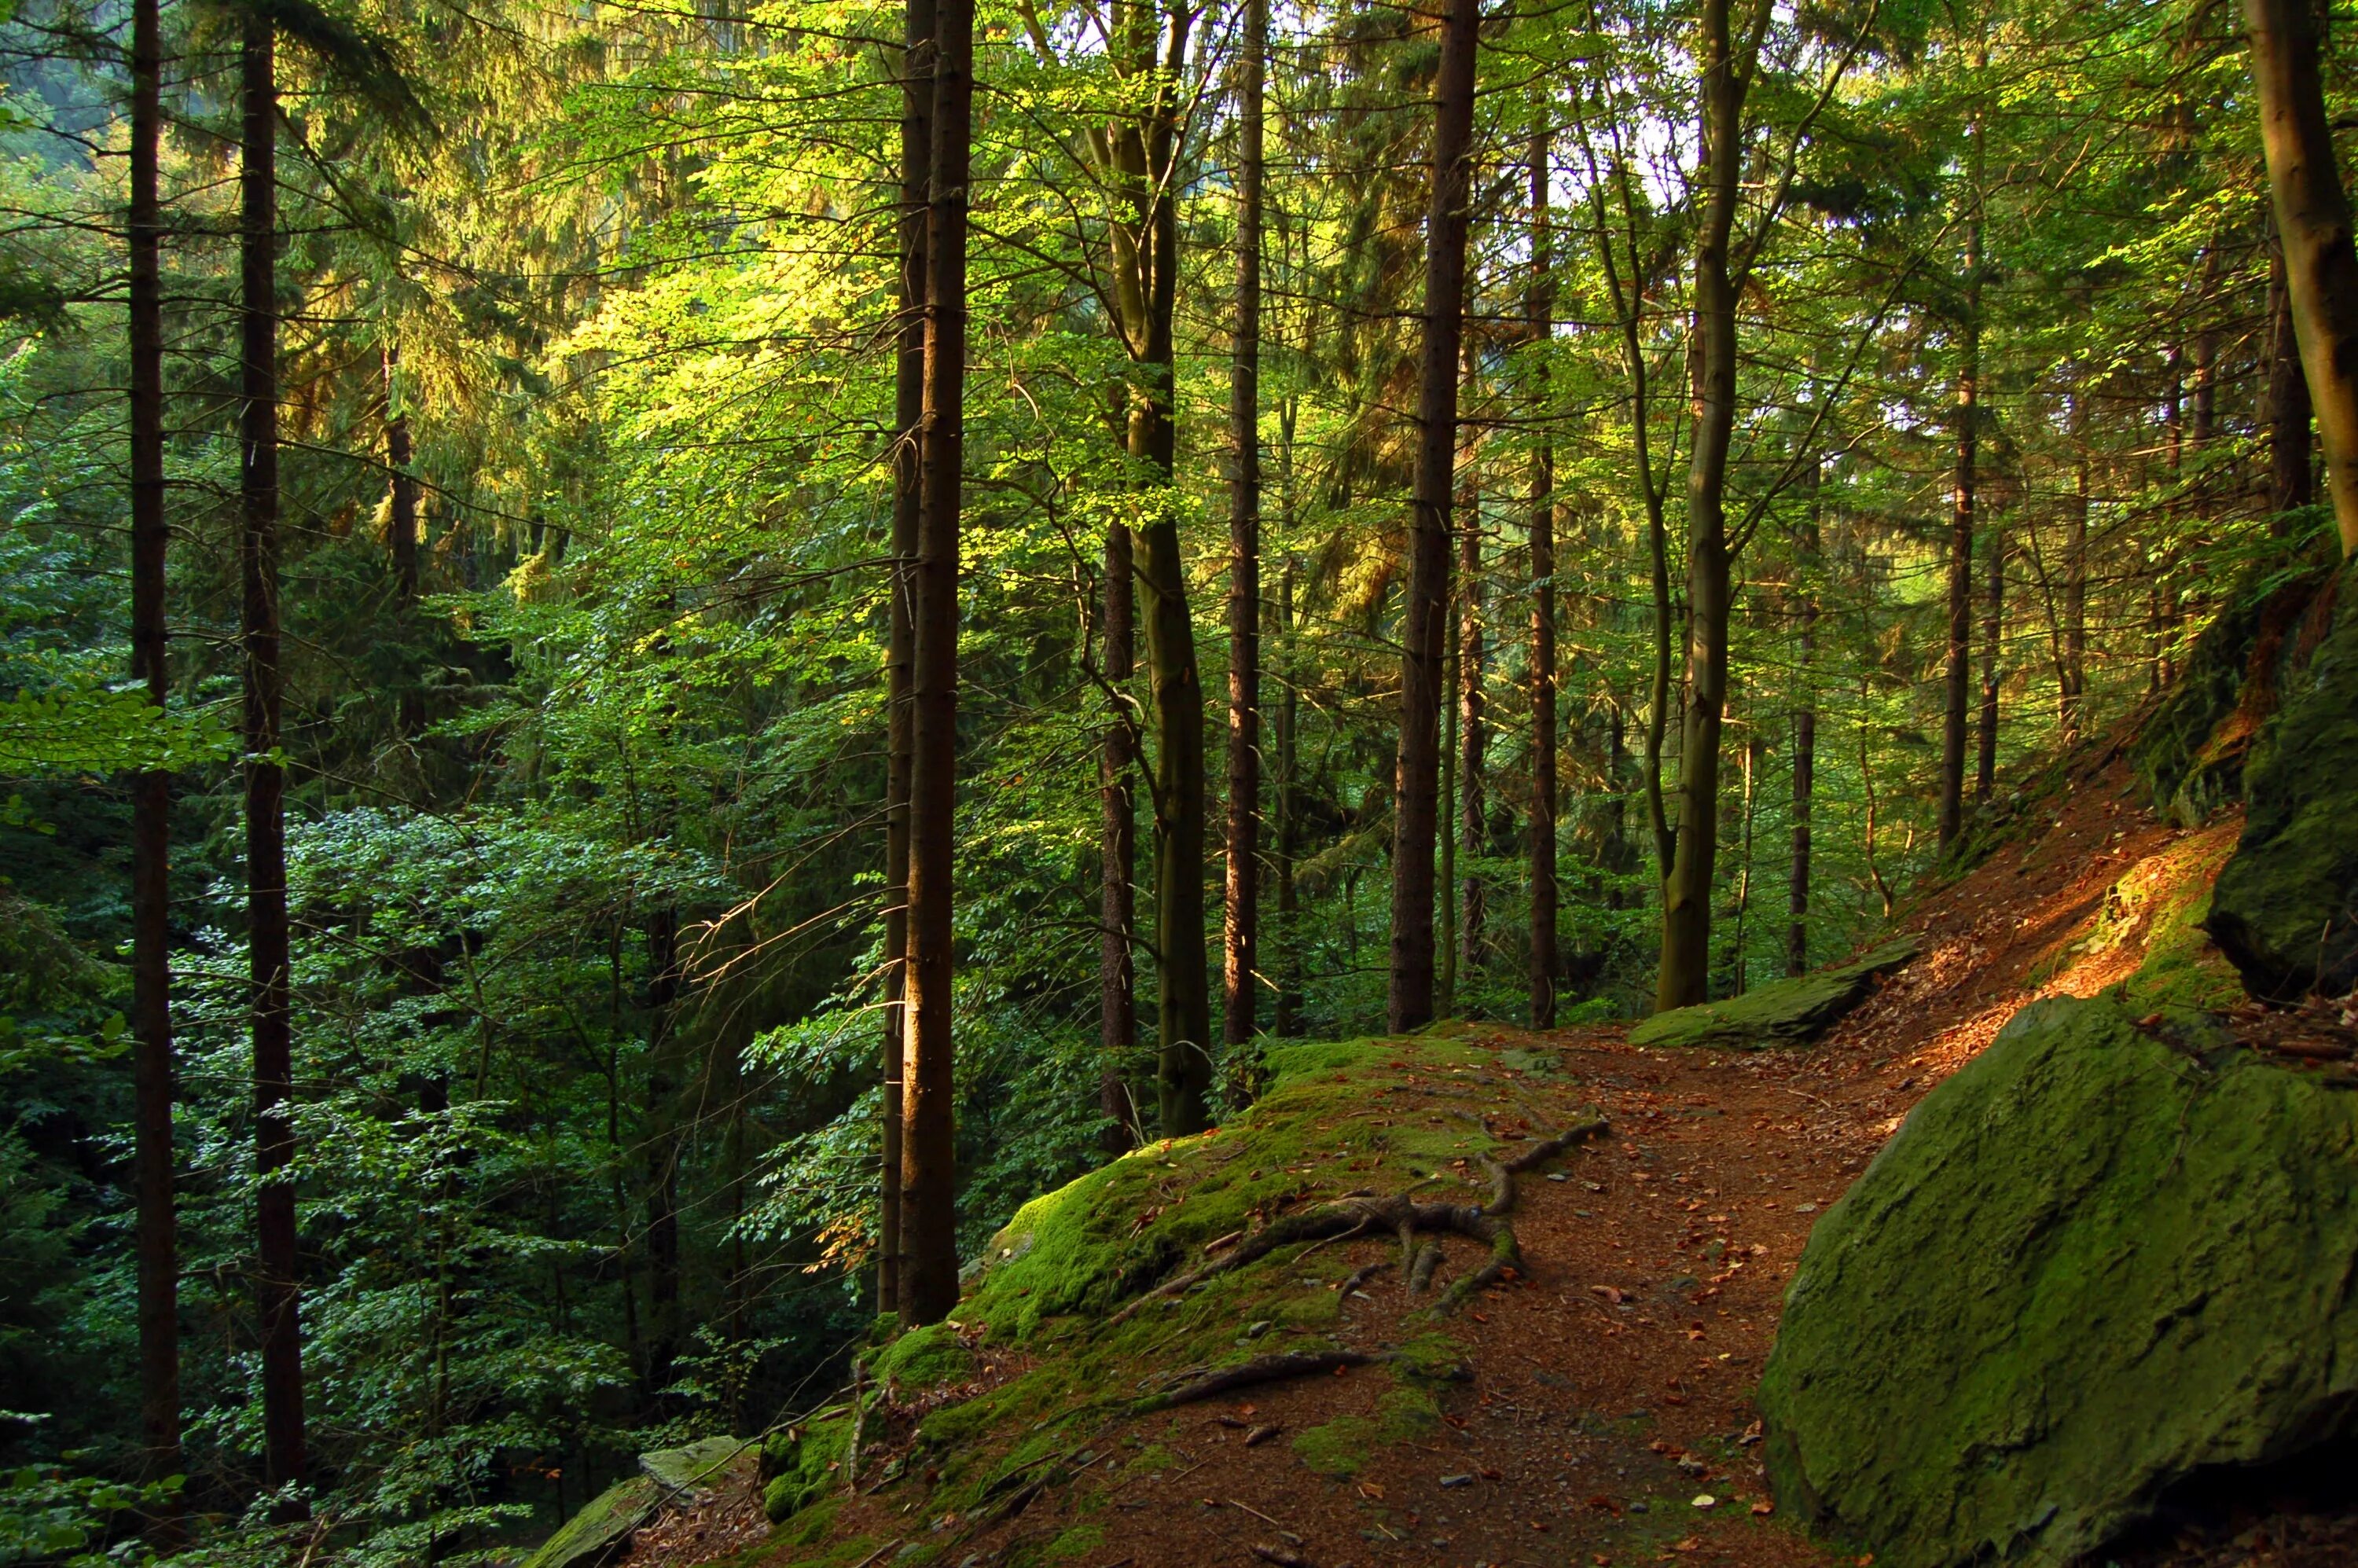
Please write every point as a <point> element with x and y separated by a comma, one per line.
<point>1782,1013</point>
<point>1046,1377</point>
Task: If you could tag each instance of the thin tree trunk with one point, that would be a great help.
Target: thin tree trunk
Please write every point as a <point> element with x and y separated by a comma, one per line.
<point>1240,923</point>
<point>1685,975</point>
<point>1409,1001</point>
<point>1118,850</point>
<point>2312,213</point>
<point>1444,984</point>
<point>2291,478</point>
<point>1739,971</point>
<point>1805,740</point>
<point>900,645</point>
<point>266,779</point>
<point>929,1275</point>
<point>1472,732</point>
<point>401,509</point>
<point>1992,638</point>
<point>1540,311</point>
<point>2075,582</point>
<point>1183,994</point>
<point>663,1147</point>
<point>1288,1020</point>
<point>1957,691</point>
<point>151,801</point>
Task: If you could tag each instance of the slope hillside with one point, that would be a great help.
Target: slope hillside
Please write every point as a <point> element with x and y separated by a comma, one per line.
<point>1133,1382</point>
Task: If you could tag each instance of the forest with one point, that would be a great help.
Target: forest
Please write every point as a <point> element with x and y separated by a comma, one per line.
<point>658,657</point>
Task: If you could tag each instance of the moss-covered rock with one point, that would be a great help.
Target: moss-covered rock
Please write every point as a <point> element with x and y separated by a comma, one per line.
<point>2286,910</point>
<point>2096,1260</point>
<point>1782,1013</point>
<point>594,1533</point>
<point>802,1464</point>
<point>688,1474</point>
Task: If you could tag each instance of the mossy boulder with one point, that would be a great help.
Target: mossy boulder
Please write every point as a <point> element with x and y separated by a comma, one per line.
<point>2098,1259</point>
<point>2286,909</point>
<point>802,1464</point>
<point>595,1533</point>
<point>1783,1012</point>
<point>690,1474</point>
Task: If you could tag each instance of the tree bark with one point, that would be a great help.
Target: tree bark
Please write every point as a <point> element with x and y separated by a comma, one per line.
<point>1473,732</point>
<point>2291,479</point>
<point>1957,691</point>
<point>1240,923</point>
<point>151,801</point>
<point>1992,636</point>
<point>900,643</point>
<point>1288,1019</point>
<point>1685,975</point>
<point>1118,850</point>
<point>1805,739</point>
<point>1540,311</point>
<point>2073,683</point>
<point>265,780</point>
<point>929,1276</point>
<point>1409,1001</point>
<point>401,511</point>
<point>663,1152</point>
<point>2312,213</point>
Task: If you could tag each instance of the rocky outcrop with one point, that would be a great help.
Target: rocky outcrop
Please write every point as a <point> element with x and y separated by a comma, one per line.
<point>1782,1013</point>
<point>2101,1258</point>
<point>2286,909</point>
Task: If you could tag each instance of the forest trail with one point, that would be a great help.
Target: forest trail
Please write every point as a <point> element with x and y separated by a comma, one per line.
<point>1609,1419</point>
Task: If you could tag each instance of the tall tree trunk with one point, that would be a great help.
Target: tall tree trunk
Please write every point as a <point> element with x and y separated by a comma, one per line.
<point>2291,478</point>
<point>1739,971</point>
<point>2312,213</point>
<point>1445,983</point>
<point>1805,738</point>
<point>401,508</point>
<point>1472,732</point>
<point>1118,849</point>
<point>1183,994</point>
<point>2075,679</point>
<point>1240,923</point>
<point>1685,975</point>
<point>929,1274</point>
<point>1288,1020</point>
<point>151,800</point>
<point>662,1150</point>
<point>900,643</point>
<point>266,779</point>
<point>1409,1001</point>
<point>1957,691</point>
<point>1540,311</point>
<point>1993,637</point>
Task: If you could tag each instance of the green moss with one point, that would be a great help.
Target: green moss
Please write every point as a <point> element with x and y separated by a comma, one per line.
<point>1339,1448</point>
<point>1783,1012</point>
<point>924,1358</point>
<point>809,1527</point>
<point>2182,966</point>
<point>2283,913</point>
<point>611,1515</point>
<point>2097,1259</point>
<point>1152,1460</point>
<point>1097,1241</point>
<point>802,1464</point>
<point>1077,1542</point>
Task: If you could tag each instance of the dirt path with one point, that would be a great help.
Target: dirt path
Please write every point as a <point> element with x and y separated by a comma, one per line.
<point>1609,1416</point>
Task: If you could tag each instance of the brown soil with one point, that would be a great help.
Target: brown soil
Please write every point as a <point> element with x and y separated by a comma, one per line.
<point>1609,1420</point>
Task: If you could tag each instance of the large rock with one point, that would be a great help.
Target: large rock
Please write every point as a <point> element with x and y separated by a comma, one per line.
<point>2286,909</point>
<point>599,1531</point>
<point>2096,1260</point>
<point>1782,1013</point>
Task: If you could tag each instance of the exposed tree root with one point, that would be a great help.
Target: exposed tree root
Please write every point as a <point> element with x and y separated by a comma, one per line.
<point>1260,1370</point>
<point>1402,1215</point>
